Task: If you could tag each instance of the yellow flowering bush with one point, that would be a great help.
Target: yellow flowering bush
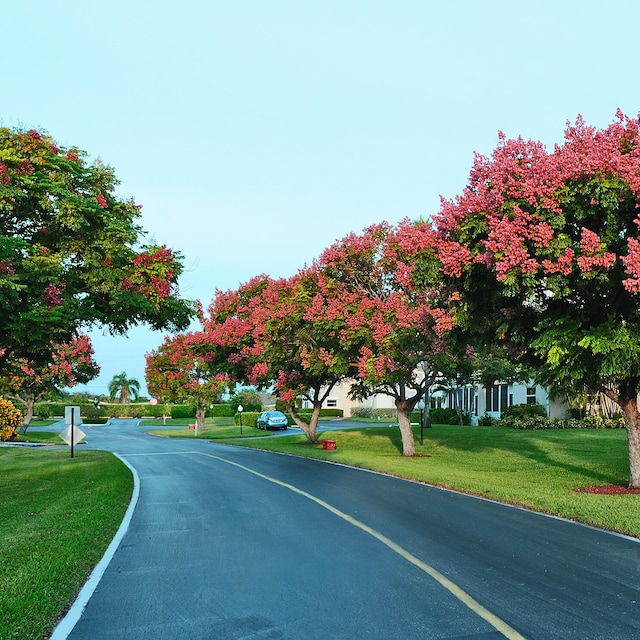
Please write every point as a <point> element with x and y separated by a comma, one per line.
<point>10,420</point>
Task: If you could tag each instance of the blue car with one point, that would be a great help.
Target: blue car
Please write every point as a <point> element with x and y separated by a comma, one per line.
<point>272,420</point>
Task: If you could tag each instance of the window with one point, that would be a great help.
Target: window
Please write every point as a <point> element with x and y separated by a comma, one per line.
<point>496,398</point>
<point>332,403</point>
<point>531,395</point>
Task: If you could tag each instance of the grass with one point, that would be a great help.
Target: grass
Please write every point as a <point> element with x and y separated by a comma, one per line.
<point>214,429</point>
<point>41,437</point>
<point>57,517</point>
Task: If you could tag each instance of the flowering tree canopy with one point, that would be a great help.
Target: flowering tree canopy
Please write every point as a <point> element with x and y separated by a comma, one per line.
<point>391,331</point>
<point>180,370</point>
<point>26,381</point>
<point>267,334</point>
<point>70,254</point>
<point>544,249</point>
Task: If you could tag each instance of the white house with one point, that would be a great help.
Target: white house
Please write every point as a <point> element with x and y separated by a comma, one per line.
<point>473,399</point>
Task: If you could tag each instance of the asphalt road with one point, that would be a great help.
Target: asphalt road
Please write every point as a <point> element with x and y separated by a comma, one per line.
<point>232,543</point>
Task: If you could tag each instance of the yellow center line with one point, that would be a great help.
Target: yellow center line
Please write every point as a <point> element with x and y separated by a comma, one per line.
<point>463,596</point>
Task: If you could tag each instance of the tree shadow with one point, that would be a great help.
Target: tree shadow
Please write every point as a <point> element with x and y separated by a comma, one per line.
<point>528,445</point>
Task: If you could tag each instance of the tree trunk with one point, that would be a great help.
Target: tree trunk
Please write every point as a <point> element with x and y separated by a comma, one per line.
<point>404,421</point>
<point>629,406</point>
<point>201,410</point>
<point>28,414</point>
<point>309,429</point>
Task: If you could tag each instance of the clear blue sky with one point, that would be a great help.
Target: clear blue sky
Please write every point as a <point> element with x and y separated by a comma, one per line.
<point>256,133</point>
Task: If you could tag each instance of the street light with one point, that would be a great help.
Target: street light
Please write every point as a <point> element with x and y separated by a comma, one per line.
<point>420,406</point>
<point>240,410</point>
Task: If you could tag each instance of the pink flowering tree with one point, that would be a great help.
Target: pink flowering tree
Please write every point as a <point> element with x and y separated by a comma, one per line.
<point>544,250</point>
<point>181,370</point>
<point>267,334</point>
<point>26,382</point>
<point>391,331</point>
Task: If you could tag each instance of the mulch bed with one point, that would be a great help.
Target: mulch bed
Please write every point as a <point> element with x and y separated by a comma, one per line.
<point>609,490</point>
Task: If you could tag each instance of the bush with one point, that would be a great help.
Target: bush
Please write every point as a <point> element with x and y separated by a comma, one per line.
<point>539,422</point>
<point>42,410</point>
<point>486,420</point>
<point>183,411</point>
<point>331,413</point>
<point>221,411</point>
<point>10,420</point>
<point>249,418</point>
<point>521,410</point>
<point>447,416</point>
<point>56,409</point>
<point>251,407</point>
<point>369,412</point>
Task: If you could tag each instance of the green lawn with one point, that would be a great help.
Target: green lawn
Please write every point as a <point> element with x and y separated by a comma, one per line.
<point>57,517</point>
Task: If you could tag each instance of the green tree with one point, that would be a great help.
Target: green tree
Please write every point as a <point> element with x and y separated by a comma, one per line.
<point>123,389</point>
<point>544,251</point>
<point>248,397</point>
<point>72,254</point>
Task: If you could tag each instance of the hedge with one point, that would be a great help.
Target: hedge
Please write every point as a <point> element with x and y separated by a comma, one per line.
<point>532,422</point>
<point>438,415</point>
<point>249,418</point>
<point>221,411</point>
<point>44,410</point>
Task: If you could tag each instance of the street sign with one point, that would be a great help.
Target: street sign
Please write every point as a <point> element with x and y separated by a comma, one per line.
<point>78,434</point>
<point>72,435</point>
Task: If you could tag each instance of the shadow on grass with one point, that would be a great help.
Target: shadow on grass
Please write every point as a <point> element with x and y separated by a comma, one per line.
<point>579,451</point>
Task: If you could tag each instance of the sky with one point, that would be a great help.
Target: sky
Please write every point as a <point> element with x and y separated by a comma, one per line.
<point>257,133</point>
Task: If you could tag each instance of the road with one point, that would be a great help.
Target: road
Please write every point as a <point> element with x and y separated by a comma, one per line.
<point>233,543</point>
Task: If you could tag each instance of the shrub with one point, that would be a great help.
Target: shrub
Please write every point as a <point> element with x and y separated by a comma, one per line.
<point>369,412</point>
<point>540,422</point>
<point>56,409</point>
<point>183,411</point>
<point>252,407</point>
<point>362,412</point>
<point>221,411</point>
<point>42,410</point>
<point>249,418</point>
<point>486,420</point>
<point>10,420</point>
<point>446,416</point>
<point>331,413</point>
<point>521,410</point>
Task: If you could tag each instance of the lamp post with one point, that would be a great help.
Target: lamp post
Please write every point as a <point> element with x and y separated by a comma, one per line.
<point>196,379</point>
<point>240,410</point>
<point>420,406</point>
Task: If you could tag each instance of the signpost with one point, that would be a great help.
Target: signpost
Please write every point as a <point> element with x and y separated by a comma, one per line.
<point>72,435</point>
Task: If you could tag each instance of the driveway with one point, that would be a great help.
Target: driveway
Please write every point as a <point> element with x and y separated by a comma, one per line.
<point>226,542</point>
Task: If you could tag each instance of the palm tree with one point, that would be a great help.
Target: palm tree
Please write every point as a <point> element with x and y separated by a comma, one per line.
<point>123,389</point>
